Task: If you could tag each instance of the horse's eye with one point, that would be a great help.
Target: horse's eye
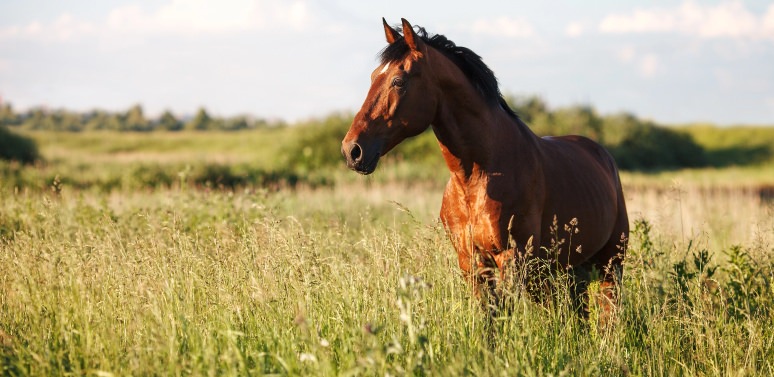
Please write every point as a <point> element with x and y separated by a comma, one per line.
<point>397,81</point>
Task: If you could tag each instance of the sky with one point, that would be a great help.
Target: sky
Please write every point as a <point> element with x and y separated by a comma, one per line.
<point>669,61</point>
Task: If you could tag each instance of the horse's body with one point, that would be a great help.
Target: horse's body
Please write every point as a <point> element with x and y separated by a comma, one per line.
<point>508,187</point>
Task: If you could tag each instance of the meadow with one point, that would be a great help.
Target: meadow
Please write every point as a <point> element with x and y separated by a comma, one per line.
<point>200,254</point>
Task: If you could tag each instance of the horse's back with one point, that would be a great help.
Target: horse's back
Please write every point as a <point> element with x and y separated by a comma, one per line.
<point>578,160</point>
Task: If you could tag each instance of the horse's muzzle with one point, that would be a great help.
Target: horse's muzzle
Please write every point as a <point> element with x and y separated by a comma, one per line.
<point>360,159</point>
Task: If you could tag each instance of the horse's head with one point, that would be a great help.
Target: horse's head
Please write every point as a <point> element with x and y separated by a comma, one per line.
<point>401,101</point>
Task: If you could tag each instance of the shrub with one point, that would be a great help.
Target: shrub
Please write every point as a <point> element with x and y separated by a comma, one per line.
<point>649,147</point>
<point>18,148</point>
<point>318,144</point>
<point>421,149</point>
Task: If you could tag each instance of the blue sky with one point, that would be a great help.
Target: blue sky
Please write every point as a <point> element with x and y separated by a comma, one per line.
<point>671,61</point>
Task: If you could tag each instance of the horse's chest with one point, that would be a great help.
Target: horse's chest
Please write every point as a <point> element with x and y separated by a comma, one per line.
<point>473,221</point>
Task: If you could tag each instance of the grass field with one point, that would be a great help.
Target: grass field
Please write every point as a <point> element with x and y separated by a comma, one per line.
<point>353,277</point>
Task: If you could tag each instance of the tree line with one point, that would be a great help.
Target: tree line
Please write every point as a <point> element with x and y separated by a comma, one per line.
<point>133,120</point>
<point>636,143</point>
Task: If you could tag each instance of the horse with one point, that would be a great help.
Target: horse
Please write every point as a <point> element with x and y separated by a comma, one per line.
<point>508,188</point>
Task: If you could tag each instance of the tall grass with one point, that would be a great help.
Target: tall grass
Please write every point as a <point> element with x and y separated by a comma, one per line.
<point>193,254</point>
<point>344,280</point>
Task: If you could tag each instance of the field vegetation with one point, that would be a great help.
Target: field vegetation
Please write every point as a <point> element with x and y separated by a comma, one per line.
<point>256,252</point>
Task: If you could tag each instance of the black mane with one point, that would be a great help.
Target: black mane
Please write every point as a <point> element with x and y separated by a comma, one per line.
<point>479,74</point>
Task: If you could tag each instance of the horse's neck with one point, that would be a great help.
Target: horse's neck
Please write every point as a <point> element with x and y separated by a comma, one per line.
<point>484,141</point>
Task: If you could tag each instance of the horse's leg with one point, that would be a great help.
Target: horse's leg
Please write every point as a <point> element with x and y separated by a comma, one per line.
<point>515,269</point>
<point>487,284</point>
<point>608,297</point>
<point>581,277</point>
<point>609,262</point>
<point>504,260</point>
<point>478,271</point>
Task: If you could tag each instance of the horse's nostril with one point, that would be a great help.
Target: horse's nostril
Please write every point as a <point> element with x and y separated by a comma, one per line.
<point>356,152</point>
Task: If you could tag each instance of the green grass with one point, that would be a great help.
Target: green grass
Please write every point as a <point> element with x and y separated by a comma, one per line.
<point>338,281</point>
<point>240,146</point>
<point>734,146</point>
<point>351,277</point>
<point>108,161</point>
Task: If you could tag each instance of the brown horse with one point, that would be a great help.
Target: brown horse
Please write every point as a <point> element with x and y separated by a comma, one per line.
<point>508,187</point>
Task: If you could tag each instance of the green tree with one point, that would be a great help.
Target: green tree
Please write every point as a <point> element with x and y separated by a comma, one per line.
<point>37,119</point>
<point>528,108</point>
<point>577,120</point>
<point>169,122</point>
<point>7,116</point>
<point>201,122</point>
<point>318,143</point>
<point>17,148</point>
<point>134,120</point>
<point>101,120</point>
<point>63,120</point>
<point>616,127</point>
<point>650,147</point>
<point>236,123</point>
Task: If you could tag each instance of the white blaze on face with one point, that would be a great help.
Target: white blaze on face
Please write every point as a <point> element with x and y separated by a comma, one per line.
<point>386,66</point>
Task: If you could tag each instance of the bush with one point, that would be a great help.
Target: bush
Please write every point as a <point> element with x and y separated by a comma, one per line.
<point>318,144</point>
<point>18,148</point>
<point>649,147</point>
<point>421,149</point>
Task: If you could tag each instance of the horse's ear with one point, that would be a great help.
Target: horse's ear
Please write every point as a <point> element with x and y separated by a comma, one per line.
<point>391,34</point>
<point>411,37</point>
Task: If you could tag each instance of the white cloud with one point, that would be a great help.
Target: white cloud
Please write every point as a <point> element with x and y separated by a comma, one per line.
<point>206,16</point>
<point>729,19</point>
<point>66,27</point>
<point>767,24</point>
<point>9,32</point>
<point>63,28</point>
<point>177,17</point>
<point>502,26</point>
<point>649,65</point>
<point>575,29</point>
<point>639,21</point>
